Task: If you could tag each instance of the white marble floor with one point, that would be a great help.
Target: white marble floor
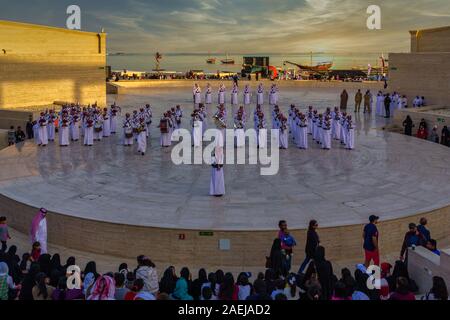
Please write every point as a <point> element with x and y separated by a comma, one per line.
<point>388,174</point>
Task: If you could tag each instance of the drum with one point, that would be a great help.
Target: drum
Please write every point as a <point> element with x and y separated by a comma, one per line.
<point>98,127</point>
<point>164,126</point>
<point>128,132</point>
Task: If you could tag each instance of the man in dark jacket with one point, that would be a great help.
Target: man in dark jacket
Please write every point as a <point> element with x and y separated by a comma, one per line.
<point>312,242</point>
<point>412,238</point>
<point>387,106</point>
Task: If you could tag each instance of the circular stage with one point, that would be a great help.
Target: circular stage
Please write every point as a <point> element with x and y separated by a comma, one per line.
<point>108,199</point>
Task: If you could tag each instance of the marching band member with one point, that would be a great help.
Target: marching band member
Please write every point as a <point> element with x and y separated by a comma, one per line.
<point>326,133</point>
<point>247,95</point>
<point>135,119</point>
<point>234,95</point>
<point>302,132</point>
<point>336,125</point>
<point>113,113</point>
<point>43,131</point>
<point>165,125</point>
<point>350,128</point>
<point>64,129</point>
<point>319,129</point>
<point>203,118</point>
<point>89,130</point>
<point>291,116</point>
<point>260,95</point>
<point>343,128</point>
<point>197,129</point>
<point>197,94</point>
<point>273,95</point>
<point>142,137</point>
<point>178,116</point>
<point>98,126</point>
<point>315,120</point>
<point>128,131</point>
<point>208,94</point>
<point>51,117</point>
<point>148,116</point>
<point>217,183</point>
<point>310,119</point>
<point>239,132</point>
<point>221,94</point>
<point>221,125</point>
<point>106,123</point>
<point>261,131</point>
<point>284,132</point>
<point>74,126</point>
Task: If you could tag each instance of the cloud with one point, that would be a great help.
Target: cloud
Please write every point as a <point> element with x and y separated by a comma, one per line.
<point>242,25</point>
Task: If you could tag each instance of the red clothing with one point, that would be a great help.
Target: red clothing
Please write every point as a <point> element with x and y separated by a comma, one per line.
<point>422,134</point>
<point>373,255</point>
<point>130,296</point>
<point>234,296</point>
<point>35,254</point>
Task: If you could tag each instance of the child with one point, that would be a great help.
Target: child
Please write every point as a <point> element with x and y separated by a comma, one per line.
<point>36,251</point>
<point>4,233</point>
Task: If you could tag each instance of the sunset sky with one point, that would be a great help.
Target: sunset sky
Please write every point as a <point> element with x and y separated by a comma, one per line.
<point>240,26</point>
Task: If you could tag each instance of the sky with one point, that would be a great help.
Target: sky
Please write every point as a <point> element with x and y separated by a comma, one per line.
<point>240,26</point>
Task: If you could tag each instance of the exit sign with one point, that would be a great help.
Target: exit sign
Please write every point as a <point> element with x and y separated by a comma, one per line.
<point>206,234</point>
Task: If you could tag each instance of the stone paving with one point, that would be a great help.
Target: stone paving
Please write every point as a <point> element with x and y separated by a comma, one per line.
<point>388,174</point>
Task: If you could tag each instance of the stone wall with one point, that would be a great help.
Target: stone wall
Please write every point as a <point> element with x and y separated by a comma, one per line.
<point>188,247</point>
<point>431,40</point>
<point>40,65</point>
<point>424,74</point>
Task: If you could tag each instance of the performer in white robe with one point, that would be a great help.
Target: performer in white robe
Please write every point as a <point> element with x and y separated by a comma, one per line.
<point>302,132</point>
<point>197,92</point>
<point>350,141</point>
<point>51,126</point>
<point>217,183</point>
<point>336,130</point>
<point>113,114</point>
<point>239,125</point>
<point>310,120</point>
<point>326,133</point>
<point>394,102</point>
<point>106,124</point>
<point>197,129</point>
<point>36,132</point>
<point>142,137</point>
<point>208,94</point>
<point>260,95</point>
<point>165,126</point>
<point>43,131</point>
<point>284,132</point>
<point>64,130</point>
<point>75,127</point>
<point>98,126</point>
<point>261,131</point>
<point>247,95</point>
<point>127,131</point>
<point>221,94</point>
<point>38,232</point>
<point>89,131</point>
<point>380,104</point>
<point>344,128</point>
<point>234,95</point>
<point>273,95</point>
<point>148,119</point>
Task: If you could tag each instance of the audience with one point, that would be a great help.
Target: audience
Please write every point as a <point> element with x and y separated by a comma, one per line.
<point>42,277</point>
